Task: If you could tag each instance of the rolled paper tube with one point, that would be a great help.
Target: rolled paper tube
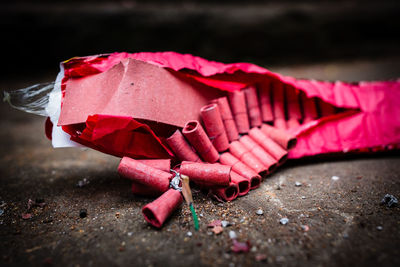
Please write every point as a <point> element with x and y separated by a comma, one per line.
<point>280,124</point>
<point>244,155</point>
<point>197,137</point>
<point>242,183</point>
<point>215,127</point>
<point>265,101</point>
<point>292,123</point>
<point>292,103</point>
<point>265,158</point>
<point>253,109</point>
<point>206,174</point>
<point>161,164</point>
<point>325,109</point>
<point>283,138</point>
<point>269,145</point>
<point>309,108</point>
<point>238,106</point>
<point>279,100</point>
<point>227,118</point>
<point>181,147</point>
<point>143,174</point>
<point>241,168</point>
<point>158,211</point>
<point>228,193</point>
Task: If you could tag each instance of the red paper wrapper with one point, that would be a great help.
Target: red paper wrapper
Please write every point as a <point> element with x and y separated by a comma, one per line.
<point>227,118</point>
<point>241,168</point>
<point>181,148</point>
<point>199,140</point>
<point>283,138</point>
<point>245,156</point>
<point>253,109</point>
<point>265,158</point>
<point>325,109</point>
<point>206,174</point>
<point>228,193</point>
<point>238,105</point>
<point>160,164</point>
<point>145,175</point>
<point>309,108</point>
<point>269,145</point>
<point>215,127</point>
<point>265,101</point>
<point>158,211</point>
<point>242,183</point>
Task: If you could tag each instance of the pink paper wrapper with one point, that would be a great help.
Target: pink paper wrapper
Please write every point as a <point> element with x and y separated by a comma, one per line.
<point>237,101</point>
<point>199,140</point>
<point>215,127</point>
<point>158,211</point>
<point>181,147</point>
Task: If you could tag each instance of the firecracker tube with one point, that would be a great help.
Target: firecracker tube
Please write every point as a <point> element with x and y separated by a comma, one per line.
<point>228,193</point>
<point>227,118</point>
<point>241,168</point>
<point>283,138</point>
<point>158,211</point>
<point>265,101</point>
<point>214,126</point>
<point>181,147</point>
<point>293,108</point>
<point>198,138</point>
<point>242,183</point>
<point>279,105</point>
<point>145,175</point>
<point>265,158</point>
<point>309,108</point>
<point>237,102</point>
<point>207,174</point>
<point>244,155</point>
<point>161,164</point>
<point>253,109</point>
<point>269,145</point>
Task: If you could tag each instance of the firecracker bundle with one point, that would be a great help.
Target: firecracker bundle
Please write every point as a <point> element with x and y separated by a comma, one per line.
<point>176,118</point>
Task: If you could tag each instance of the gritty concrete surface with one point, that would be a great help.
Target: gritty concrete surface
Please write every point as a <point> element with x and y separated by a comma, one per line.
<point>332,222</point>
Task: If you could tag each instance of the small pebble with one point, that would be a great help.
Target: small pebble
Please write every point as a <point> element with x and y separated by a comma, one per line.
<point>305,228</point>
<point>83,213</point>
<point>379,228</point>
<point>225,223</point>
<point>298,184</point>
<point>1,212</point>
<point>232,235</point>
<point>284,221</point>
<point>303,197</point>
<point>260,212</point>
<point>335,178</point>
<point>129,233</point>
<point>189,233</point>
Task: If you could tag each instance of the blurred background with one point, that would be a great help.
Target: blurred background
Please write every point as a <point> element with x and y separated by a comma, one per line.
<point>37,35</point>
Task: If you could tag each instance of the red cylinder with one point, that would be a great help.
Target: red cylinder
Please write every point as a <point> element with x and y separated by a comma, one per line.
<point>309,108</point>
<point>241,168</point>
<point>283,138</point>
<point>199,140</point>
<point>227,118</point>
<point>239,110</point>
<point>253,109</point>
<point>293,108</point>
<point>145,175</point>
<point>269,145</point>
<point>228,193</point>
<point>181,147</point>
<point>158,211</point>
<point>244,155</point>
<point>242,183</point>
<point>265,158</point>
<point>279,105</point>
<point>265,101</point>
<point>160,164</point>
<point>215,127</point>
<point>206,174</point>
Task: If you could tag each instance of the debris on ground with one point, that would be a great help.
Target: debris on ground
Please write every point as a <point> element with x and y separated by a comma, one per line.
<point>39,202</point>
<point>238,247</point>
<point>83,182</point>
<point>298,184</point>
<point>1,212</point>
<point>214,223</point>
<point>217,229</point>
<point>26,216</point>
<point>284,221</point>
<point>305,228</point>
<point>389,201</point>
<point>379,228</point>
<point>335,178</point>
<point>259,212</point>
<point>225,223</point>
<point>189,233</point>
<point>261,257</point>
<point>232,235</point>
<point>83,213</point>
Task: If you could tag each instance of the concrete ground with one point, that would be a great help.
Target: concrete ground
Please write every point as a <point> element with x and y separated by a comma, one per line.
<point>332,222</point>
